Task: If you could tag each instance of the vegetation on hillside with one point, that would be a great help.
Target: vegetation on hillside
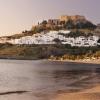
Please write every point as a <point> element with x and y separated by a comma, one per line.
<point>46,51</point>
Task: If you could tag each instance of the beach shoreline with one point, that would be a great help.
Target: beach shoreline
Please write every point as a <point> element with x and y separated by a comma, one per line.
<point>85,61</point>
<point>92,93</point>
<point>88,94</point>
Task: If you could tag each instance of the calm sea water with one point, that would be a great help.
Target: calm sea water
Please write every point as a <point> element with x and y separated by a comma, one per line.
<point>43,79</point>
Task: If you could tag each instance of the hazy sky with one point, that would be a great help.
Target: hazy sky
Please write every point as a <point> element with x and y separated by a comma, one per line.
<point>18,15</point>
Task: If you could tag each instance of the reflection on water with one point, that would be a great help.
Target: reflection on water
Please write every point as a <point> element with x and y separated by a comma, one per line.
<point>44,79</point>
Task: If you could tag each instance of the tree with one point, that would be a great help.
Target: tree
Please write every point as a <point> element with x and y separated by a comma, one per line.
<point>98,41</point>
<point>69,24</point>
<point>57,41</point>
<point>44,22</point>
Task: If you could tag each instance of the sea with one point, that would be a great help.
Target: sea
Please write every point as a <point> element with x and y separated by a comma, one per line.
<point>43,80</point>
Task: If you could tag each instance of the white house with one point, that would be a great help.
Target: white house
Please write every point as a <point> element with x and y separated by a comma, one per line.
<point>47,38</point>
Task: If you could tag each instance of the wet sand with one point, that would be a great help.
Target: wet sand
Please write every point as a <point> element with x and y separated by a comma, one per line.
<point>88,94</point>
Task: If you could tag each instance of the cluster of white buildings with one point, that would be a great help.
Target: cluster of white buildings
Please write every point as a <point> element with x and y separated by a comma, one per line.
<point>48,38</point>
<point>83,41</point>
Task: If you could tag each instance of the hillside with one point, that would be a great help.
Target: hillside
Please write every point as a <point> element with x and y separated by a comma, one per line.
<point>63,23</point>
<point>9,51</point>
<point>77,22</point>
<point>69,37</point>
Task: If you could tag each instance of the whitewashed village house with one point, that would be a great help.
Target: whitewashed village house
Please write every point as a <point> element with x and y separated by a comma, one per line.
<point>47,38</point>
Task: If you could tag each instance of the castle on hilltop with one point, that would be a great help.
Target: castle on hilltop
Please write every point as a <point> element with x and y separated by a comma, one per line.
<point>65,22</point>
<point>65,18</point>
<point>73,18</point>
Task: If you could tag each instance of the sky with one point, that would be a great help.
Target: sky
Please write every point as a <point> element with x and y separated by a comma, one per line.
<point>19,15</point>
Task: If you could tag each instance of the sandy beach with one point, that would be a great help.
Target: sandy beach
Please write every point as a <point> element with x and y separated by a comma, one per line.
<point>88,94</point>
<point>87,61</point>
<point>96,61</point>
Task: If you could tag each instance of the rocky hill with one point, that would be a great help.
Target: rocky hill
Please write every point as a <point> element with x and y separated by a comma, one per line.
<point>76,22</point>
<point>73,18</point>
<point>97,30</point>
<point>65,22</point>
